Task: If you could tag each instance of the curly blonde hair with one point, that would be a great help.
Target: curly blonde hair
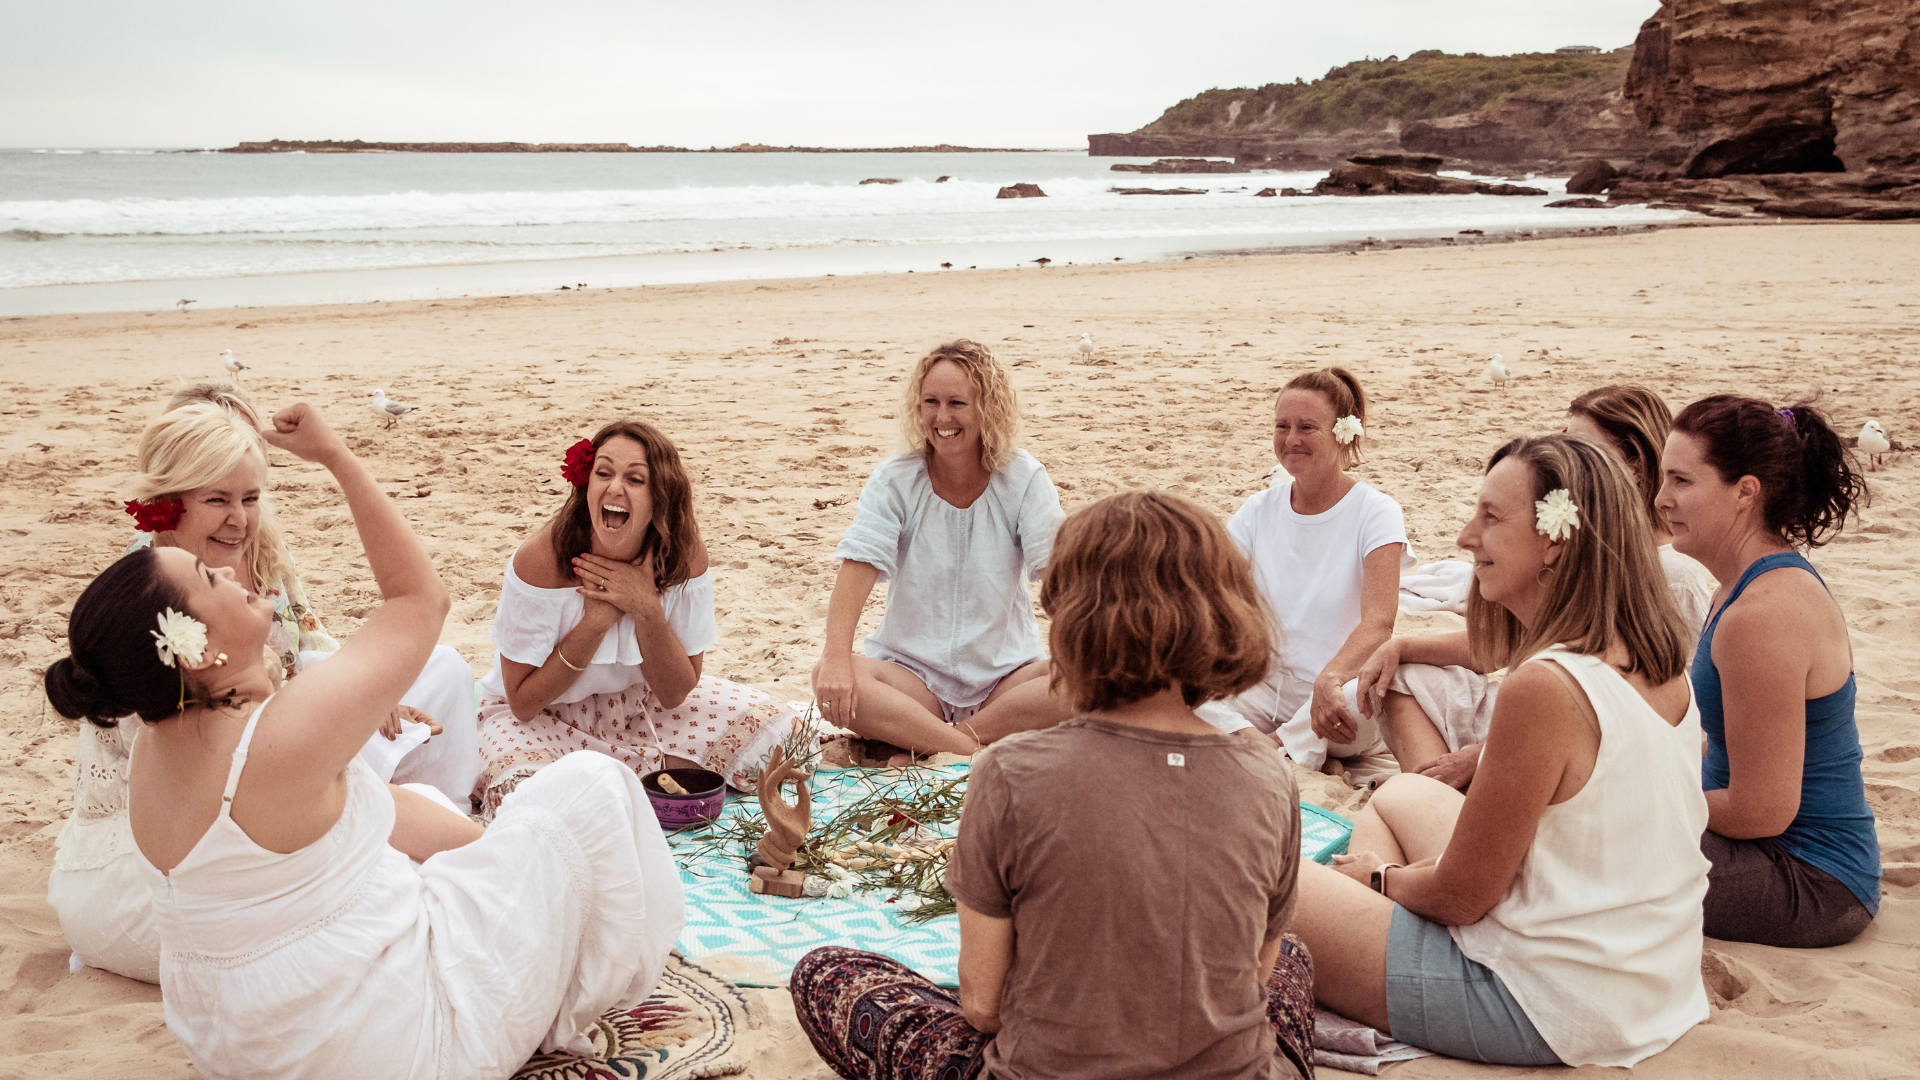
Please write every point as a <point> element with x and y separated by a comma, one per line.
<point>211,429</point>
<point>998,405</point>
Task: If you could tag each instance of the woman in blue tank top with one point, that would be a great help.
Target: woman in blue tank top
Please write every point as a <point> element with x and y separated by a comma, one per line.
<point>1796,862</point>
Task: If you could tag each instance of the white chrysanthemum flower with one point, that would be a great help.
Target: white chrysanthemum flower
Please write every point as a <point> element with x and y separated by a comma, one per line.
<point>1346,429</point>
<point>1556,516</point>
<point>181,637</point>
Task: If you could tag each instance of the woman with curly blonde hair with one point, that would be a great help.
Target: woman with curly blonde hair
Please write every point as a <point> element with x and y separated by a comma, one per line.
<point>957,525</point>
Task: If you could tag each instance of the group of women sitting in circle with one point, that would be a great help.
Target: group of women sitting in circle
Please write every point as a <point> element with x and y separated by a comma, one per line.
<point>304,828</point>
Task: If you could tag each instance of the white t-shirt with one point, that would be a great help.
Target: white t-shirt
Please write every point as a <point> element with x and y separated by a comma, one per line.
<point>1692,588</point>
<point>530,621</point>
<point>958,614</point>
<point>1310,567</point>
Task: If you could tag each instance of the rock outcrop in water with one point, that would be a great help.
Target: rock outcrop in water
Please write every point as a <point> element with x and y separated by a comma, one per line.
<point>1405,174</point>
<point>1021,191</point>
<point>1184,165</point>
<point>1728,87</point>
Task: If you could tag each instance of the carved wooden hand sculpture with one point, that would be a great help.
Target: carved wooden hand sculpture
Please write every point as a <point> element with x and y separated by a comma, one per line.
<point>787,826</point>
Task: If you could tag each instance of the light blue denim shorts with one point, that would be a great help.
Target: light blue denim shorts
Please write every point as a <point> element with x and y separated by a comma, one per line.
<point>1439,1000</point>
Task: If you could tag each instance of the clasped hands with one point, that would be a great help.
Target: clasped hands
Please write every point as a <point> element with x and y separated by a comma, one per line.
<point>613,588</point>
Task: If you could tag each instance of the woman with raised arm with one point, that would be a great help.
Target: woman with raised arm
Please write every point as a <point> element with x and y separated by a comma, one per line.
<point>1125,878</point>
<point>1796,858</point>
<point>1552,913</point>
<point>605,616</point>
<point>1431,704</point>
<point>1327,551</point>
<point>297,938</point>
<point>957,525</point>
<point>202,489</point>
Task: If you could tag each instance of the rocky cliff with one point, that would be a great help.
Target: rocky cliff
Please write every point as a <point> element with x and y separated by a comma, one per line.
<point>1779,86</point>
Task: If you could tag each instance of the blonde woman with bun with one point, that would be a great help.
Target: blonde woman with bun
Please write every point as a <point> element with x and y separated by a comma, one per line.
<point>203,477</point>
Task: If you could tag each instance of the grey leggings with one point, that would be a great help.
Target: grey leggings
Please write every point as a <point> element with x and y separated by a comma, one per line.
<point>1757,892</point>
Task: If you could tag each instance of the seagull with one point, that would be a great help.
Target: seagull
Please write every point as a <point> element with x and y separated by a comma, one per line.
<point>182,304</point>
<point>1873,443</point>
<point>1086,346</point>
<point>1497,371</point>
<point>227,361</point>
<point>391,411</point>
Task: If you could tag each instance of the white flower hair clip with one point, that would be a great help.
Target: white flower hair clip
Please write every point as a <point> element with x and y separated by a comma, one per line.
<point>181,638</point>
<point>1556,516</point>
<point>1346,429</point>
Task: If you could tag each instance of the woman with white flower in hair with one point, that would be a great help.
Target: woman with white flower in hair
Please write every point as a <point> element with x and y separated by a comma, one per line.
<point>1552,914</point>
<point>1327,552</point>
<point>313,920</point>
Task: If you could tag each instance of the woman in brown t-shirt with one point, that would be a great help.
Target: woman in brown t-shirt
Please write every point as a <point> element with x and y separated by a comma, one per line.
<point>1122,920</point>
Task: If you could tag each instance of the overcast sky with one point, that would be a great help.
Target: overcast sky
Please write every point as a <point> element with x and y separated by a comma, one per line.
<point>119,73</point>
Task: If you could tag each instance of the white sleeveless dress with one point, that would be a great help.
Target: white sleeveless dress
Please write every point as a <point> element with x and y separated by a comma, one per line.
<point>1599,937</point>
<point>344,959</point>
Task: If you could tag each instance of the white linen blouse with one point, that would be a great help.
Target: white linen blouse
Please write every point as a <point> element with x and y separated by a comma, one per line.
<point>530,621</point>
<point>958,613</point>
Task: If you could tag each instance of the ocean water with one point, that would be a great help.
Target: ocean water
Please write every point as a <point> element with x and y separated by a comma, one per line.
<point>105,230</point>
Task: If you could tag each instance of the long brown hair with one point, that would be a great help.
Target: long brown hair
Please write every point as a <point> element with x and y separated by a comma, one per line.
<point>1146,589</point>
<point>1637,420</point>
<point>1608,586</point>
<point>1340,387</point>
<point>672,534</point>
<point>1809,481</point>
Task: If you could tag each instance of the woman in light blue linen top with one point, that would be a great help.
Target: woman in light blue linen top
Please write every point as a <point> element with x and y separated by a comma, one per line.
<point>957,526</point>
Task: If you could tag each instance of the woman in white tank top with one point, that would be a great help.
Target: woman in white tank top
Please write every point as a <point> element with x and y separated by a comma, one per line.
<point>1553,913</point>
<point>296,937</point>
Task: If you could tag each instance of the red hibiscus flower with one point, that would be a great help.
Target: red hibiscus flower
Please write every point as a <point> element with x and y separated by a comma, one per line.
<point>156,516</point>
<point>579,463</point>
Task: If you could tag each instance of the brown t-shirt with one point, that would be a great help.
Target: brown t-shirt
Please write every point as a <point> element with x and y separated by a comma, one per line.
<point>1143,870</point>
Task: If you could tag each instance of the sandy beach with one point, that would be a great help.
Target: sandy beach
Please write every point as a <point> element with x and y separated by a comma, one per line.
<point>782,395</point>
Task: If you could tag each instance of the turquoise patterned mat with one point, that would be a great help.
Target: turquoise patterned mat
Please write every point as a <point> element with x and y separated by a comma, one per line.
<point>756,940</point>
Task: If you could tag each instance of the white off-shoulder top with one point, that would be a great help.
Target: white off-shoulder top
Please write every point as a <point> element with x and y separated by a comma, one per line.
<point>530,621</point>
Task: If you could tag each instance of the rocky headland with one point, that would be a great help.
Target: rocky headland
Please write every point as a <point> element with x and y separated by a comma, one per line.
<point>360,146</point>
<point>1732,108</point>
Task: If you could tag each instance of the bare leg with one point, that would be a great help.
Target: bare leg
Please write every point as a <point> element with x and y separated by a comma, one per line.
<point>896,707</point>
<point>1411,735</point>
<point>1022,702</point>
<point>1408,820</point>
<point>1345,926</point>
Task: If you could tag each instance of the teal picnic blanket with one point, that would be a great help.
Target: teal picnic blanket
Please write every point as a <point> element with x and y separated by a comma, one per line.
<point>754,940</point>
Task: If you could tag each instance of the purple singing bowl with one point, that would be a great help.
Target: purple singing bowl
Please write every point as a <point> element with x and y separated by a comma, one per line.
<point>707,792</point>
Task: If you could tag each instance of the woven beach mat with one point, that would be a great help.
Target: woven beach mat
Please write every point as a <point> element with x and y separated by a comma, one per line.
<point>686,1031</point>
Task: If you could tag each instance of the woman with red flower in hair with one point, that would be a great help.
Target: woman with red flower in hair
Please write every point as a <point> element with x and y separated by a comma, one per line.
<point>202,488</point>
<point>605,615</point>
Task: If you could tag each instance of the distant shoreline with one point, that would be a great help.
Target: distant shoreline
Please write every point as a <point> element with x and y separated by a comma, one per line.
<point>358,146</point>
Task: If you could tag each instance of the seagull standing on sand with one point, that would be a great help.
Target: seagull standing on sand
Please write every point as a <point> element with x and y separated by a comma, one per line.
<point>1497,371</point>
<point>1086,346</point>
<point>232,365</point>
<point>1873,443</point>
<point>390,411</point>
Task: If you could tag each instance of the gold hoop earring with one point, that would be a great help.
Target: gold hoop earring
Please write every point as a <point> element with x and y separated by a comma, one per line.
<point>220,660</point>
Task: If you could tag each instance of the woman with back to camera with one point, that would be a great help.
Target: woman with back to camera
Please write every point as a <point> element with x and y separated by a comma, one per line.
<point>957,525</point>
<point>1327,551</point>
<point>202,488</point>
<point>605,616</point>
<point>297,938</point>
<point>1552,913</point>
<point>1125,878</point>
<point>1796,858</point>
<point>1431,704</point>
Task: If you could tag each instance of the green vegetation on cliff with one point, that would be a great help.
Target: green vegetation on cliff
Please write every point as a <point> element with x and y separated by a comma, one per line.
<point>1372,94</point>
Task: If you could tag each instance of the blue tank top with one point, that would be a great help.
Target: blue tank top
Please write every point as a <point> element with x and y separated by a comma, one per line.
<point>1834,828</point>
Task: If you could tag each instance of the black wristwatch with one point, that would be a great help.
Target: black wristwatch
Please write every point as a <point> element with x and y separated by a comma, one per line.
<point>1379,877</point>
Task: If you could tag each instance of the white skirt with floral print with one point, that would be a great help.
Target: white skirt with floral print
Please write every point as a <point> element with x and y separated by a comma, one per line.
<point>721,726</point>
